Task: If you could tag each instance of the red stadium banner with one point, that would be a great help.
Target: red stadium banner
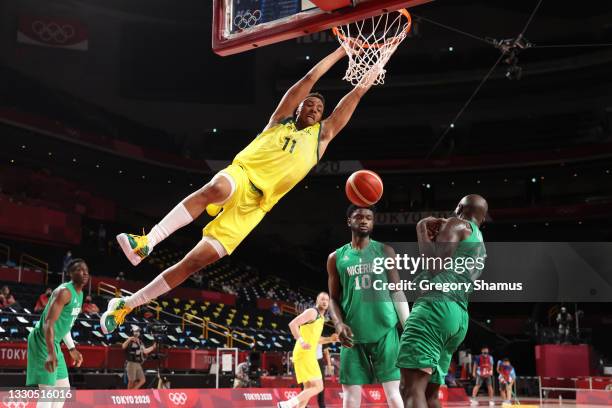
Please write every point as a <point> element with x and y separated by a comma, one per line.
<point>53,32</point>
<point>190,398</point>
<point>13,355</point>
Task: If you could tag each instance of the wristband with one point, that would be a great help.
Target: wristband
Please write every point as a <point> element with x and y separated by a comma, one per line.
<point>401,306</point>
<point>69,342</point>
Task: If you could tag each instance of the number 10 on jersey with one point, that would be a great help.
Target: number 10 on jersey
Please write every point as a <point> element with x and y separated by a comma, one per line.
<point>366,282</point>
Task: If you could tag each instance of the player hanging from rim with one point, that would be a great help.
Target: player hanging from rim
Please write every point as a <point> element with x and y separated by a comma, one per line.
<point>365,319</point>
<point>46,365</point>
<point>291,144</point>
<point>306,329</point>
<point>438,322</point>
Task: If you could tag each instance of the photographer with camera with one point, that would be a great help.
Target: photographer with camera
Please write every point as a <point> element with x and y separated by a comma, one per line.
<point>135,354</point>
<point>242,379</point>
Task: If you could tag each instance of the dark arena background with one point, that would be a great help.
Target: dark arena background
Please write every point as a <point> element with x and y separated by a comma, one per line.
<point>113,111</point>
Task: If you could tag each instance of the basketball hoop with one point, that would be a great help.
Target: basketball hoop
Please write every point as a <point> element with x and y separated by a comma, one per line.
<point>370,43</point>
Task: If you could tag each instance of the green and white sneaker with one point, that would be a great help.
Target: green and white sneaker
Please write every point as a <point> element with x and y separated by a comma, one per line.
<point>135,247</point>
<point>114,316</point>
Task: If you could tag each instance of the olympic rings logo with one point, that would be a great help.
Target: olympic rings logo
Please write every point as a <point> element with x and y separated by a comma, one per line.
<point>246,19</point>
<point>178,398</point>
<point>53,32</point>
<point>375,394</point>
<point>13,404</point>
<point>290,394</point>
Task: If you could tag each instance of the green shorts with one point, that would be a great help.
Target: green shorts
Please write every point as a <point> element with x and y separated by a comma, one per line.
<point>433,332</point>
<point>370,363</point>
<point>37,355</point>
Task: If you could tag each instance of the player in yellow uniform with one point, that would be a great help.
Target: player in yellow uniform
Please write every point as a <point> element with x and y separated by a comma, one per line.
<point>306,329</point>
<point>290,145</point>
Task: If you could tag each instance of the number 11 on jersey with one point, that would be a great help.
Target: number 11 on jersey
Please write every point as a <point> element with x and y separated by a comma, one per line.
<point>293,143</point>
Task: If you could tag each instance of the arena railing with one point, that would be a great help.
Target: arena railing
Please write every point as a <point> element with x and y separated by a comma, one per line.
<point>208,326</point>
<point>28,261</point>
<point>243,335</point>
<point>114,291</point>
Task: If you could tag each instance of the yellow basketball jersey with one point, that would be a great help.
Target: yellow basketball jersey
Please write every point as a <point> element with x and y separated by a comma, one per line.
<point>279,158</point>
<point>311,333</point>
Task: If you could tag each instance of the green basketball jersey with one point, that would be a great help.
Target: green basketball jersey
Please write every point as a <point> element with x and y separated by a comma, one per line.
<point>66,319</point>
<point>368,311</point>
<point>471,248</point>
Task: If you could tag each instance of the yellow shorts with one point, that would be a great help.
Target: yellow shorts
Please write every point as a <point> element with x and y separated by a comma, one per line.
<point>307,369</point>
<point>240,214</point>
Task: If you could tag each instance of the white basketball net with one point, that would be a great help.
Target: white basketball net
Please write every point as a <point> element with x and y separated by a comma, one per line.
<point>370,43</point>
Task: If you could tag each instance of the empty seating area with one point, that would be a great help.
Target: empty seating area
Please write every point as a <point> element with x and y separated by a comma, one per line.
<point>178,324</point>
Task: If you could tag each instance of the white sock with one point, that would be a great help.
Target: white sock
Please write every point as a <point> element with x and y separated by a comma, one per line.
<point>177,218</point>
<point>156,288</point>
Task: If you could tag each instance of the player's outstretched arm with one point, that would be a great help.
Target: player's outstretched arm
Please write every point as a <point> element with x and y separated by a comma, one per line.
<point>58,300</point>
<point>345,334</point>
<point>343,112</point>
<point>298,92</point>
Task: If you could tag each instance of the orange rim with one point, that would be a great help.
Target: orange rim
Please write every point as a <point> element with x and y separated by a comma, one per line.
<point>403,12</point>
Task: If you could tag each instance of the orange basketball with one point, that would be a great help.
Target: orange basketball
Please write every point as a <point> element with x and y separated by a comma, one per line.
<point>364,188</point>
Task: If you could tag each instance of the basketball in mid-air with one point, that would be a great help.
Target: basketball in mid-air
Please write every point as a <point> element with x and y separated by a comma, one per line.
<point>364,188</point>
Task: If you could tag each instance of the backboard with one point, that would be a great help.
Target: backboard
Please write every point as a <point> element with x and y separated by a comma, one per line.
<point>242,25</point>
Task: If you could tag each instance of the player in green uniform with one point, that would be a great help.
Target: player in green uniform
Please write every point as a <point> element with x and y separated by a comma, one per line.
<point>46,364</point>
<point>439,321</point>
<point>365,317</point>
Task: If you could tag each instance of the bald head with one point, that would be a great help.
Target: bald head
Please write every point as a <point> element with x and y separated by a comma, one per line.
<point>473,207</point>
